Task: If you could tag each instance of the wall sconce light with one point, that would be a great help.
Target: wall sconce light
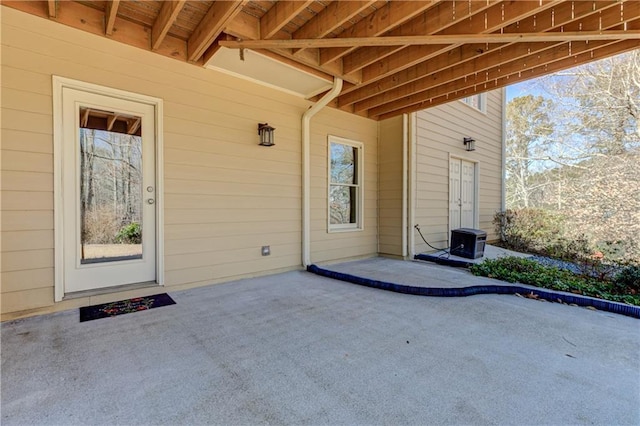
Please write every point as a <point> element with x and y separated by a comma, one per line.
<point>266,134</point>
<point>469,144</point>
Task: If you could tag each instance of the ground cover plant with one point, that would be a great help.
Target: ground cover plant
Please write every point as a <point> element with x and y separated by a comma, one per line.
<point>607,270</point>
<point>623,287</point>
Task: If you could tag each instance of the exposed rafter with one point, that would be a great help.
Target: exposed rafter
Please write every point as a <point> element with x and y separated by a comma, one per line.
<point>133,125</point>
<point>110,16</point>
<point>486,21</point>
<point>392,15</point>
<point>219,14</point>
<point>52,6</point>
<point>167,16</point>
<point>435,20</point>
<point>394,56</point>
<point>569,62</point>
<point>335,15</point>
<point>469,60</point>
<point>279,15</point>
<point>330,19</point>
<point>550,19</point>
<point>111,121</point>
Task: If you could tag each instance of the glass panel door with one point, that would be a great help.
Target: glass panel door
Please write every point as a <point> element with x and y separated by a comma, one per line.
<point>108,191</point>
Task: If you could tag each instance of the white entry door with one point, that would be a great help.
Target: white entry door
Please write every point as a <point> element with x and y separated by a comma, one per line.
<point>108,191</point>
<point>462,194</point>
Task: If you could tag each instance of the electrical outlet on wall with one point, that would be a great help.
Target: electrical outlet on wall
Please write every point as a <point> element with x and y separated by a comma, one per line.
<point>266,250</point>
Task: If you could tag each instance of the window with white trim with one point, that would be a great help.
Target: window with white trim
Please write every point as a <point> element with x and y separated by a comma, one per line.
<point>478,101</point>
<point>345,184</point>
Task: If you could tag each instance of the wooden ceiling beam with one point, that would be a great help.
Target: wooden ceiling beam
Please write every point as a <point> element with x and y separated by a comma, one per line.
<point>210,27</point>
<point>279,15</point>
<point>392,15</point>
<point>514,53</point>
<point>472,58</point>
<point>133,125</point>
<point>111,120</point>
<point>110,14</point>
<point>244,26</point>
<point>610,49</point>
<point>52,8</point>
<point>473,78</point>
<point>330,18</point>
<point>553,18</point>
<point>85,117</point>
<point>483,79</point>
<point>247,27</point>
<point>433,39</point>
<point>434,20</point>
<point>488,21</point>
<point>90,19</point>
<point>305,68</point>
<point>167,16</point>
<point>310,59</point>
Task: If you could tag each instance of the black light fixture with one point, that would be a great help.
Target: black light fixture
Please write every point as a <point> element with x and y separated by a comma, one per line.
<point>469,144</point>
<point>266,134</point>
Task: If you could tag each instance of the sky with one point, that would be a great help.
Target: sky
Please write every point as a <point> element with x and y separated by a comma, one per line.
<point>522,89</point>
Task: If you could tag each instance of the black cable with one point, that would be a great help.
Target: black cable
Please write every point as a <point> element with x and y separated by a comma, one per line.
<point>426,242</point>
<point>448,253</point>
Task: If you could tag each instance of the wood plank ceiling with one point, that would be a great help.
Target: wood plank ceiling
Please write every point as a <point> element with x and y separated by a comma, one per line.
<point>395,56</point>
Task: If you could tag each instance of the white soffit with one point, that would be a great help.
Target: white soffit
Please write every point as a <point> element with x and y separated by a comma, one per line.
<point>269,72</point>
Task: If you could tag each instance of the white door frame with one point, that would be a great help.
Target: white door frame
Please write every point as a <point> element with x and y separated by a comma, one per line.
<point>59,83</point>
<point>476,190</point>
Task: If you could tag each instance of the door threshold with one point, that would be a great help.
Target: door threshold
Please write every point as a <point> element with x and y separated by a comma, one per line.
<point>110,290</point>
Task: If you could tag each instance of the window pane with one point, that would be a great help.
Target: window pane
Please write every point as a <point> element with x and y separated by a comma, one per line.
<point>342,202</point>
<point>475,101</point>
<point>343,164</point>
<point>110,191</point>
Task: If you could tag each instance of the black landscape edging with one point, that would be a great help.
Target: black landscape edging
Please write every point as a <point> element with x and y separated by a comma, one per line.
<point>602,305</point>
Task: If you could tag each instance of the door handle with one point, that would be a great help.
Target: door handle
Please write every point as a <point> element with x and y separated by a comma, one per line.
<point>151,201</point>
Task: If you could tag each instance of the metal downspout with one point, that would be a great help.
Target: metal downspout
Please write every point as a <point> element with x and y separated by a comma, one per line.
<point>405,183</point>
<point>503,151</point>
<point>306,168</point>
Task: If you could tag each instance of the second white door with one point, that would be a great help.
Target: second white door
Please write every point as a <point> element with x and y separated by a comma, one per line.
<point>462,194</point>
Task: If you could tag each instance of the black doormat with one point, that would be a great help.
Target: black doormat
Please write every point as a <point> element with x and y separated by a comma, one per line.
<point>88,313</point>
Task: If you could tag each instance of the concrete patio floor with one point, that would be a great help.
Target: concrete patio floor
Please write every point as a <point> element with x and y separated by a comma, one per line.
<point>490,252</point>
<point>296,348</point>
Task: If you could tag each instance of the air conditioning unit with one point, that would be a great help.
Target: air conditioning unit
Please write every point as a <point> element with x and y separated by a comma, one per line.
<point>468,243</point>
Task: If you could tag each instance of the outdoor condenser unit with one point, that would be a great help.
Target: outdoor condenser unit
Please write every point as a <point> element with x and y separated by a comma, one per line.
<point>468,242</point>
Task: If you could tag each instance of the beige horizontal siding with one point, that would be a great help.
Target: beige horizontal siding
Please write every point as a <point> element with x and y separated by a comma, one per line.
<point>26,240</point>
<point>326,246</point>
<point>224,195</point>
<point>26,141</point>
<point>391,185</point>
<point>439,134</point>
<point>26,279</point>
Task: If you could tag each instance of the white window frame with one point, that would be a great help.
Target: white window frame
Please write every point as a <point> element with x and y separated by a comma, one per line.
<point>359,225</point>
<point>482,102</point>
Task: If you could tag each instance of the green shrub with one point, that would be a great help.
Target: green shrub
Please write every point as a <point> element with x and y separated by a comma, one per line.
<point>543,232</point>
<point>130,234</point>
<point>628,279</point>
<point>527,271</point>
<point>532,230</point>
